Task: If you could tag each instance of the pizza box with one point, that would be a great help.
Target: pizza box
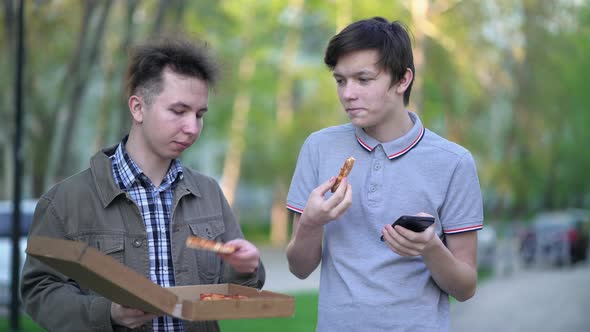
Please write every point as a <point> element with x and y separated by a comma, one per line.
<point>121,284</point>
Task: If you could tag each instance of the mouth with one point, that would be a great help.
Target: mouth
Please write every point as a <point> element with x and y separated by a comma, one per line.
<point>182,145</point>
<point>354,110</point>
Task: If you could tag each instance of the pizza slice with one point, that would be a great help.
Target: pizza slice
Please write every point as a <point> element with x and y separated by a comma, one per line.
<point>219,296</point>
<point>344,171</point>
<point>196,242</point>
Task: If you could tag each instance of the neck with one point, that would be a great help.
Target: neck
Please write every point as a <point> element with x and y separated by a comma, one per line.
<point>153,167</point>
<point>398,124</point>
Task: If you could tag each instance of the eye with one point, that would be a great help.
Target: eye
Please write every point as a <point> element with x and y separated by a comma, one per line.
<point>364,80</point>
<point>200,114</point>
<point>340,82</point>
<point>176,111</point>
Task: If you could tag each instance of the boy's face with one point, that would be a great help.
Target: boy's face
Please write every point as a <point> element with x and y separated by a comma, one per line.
<point>174,120</point>
<point>365,91</point>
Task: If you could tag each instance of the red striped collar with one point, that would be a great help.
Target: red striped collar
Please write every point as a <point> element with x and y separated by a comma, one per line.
<point>399,146</point>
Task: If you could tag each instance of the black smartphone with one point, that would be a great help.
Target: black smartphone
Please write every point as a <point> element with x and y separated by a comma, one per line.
<point>413,223</point>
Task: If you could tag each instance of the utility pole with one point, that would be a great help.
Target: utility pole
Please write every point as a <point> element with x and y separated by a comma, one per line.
<point>18,100</point>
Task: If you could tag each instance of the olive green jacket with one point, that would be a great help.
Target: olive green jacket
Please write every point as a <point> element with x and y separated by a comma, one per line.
<point>90,207</point>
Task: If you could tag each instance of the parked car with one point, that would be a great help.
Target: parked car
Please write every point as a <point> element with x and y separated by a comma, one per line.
<point>27,208</point>
<point>487,244</point>
<point>27,211</point>
<point>556,238</point>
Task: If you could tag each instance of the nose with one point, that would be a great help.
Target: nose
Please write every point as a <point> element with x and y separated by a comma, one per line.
<point>347,91</point>
<point>192,126</point>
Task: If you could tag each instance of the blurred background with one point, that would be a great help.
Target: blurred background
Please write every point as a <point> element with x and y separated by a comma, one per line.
<point>504,78</point>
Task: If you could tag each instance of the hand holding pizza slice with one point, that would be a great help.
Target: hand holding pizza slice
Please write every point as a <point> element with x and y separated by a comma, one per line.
<point>344,171</point>
<point>196,242</point>
<point>240,254</point>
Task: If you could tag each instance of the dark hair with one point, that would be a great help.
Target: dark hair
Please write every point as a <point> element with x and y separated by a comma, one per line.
<point>391,40</point>
<point>147,62</point>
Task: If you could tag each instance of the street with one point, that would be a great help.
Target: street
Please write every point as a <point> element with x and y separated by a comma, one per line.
<point>540,300</point>
<point>280,279</point>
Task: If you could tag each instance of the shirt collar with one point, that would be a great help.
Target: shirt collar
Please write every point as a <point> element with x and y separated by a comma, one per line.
<point>130,173</point>
<point>399,146</point>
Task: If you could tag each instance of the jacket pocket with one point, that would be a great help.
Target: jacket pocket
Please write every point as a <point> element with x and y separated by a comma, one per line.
<point>112,245</point>
<point>208,262</point>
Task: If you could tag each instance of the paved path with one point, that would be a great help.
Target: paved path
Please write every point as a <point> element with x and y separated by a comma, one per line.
<point>278,276</point>
<point>541,300</point>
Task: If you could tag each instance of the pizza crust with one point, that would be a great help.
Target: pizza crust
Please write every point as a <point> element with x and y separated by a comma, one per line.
<point>219,296</point>
<point>196,242</point>
<point>344,171</point>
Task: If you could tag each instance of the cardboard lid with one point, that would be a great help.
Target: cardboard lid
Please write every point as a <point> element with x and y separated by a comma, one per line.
<point>103,274</point>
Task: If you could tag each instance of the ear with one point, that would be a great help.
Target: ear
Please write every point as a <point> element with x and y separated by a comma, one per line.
<point>136,107</point>
<point>405,81</point>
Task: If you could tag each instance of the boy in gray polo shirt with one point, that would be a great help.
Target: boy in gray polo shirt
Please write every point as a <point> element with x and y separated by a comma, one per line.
<point>402,168</point>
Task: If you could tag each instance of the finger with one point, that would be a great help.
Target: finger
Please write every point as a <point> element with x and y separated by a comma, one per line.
<point>132,312</point>
<point>398,248</point>
<point>386,232</point>
<point>139,321</point>
<point>390,238</point>
<point>338,195</point>
<point>247,260</point>
<point>395,247</point>
<point>323,188</point>
<point>405,237</point>
<point>345,203</point>
<point>237,258</point>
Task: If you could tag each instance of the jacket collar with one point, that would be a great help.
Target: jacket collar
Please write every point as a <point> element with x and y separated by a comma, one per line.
<point>399,146</point>
<point>108,190</point>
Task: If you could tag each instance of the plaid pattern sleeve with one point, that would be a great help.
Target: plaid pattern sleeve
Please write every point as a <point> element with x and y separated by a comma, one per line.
<point>154,204</point>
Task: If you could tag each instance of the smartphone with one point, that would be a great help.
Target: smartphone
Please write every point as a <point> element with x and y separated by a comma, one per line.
<point>413,223</point>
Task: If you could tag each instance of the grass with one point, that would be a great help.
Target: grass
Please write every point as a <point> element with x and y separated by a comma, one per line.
<point>26,324</point>
<point>256,233</point>
<point>305,319</point>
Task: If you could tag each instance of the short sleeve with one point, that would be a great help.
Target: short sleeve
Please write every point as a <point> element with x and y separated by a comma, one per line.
<point>305,177</point>
<point>462,209</point>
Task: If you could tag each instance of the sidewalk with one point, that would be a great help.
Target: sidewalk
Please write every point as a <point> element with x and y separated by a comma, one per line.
<point>279,278</point>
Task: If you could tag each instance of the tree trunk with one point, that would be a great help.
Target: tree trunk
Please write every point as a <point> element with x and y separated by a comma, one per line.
<point>419,12</point>
<point>123,110</point>
<point>46,120</point>
<point>160,14</point>
<point>74,108</point>
<point>105,111</point>
<point>278,227</point>
<point>279,235</point>
<point>6,112</point>
<point>241,109</point>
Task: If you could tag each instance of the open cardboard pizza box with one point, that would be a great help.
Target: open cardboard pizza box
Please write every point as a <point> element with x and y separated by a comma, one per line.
<point>117,282</point>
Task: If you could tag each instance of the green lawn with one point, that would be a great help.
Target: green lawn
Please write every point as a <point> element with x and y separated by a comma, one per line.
<point>305,318</point>
<point>26,324</point>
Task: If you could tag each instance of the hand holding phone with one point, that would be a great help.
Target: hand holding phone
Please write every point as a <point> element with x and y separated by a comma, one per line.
<point>413,223</point>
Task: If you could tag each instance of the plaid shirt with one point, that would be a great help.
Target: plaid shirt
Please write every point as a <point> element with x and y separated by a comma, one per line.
<point>155,205</point>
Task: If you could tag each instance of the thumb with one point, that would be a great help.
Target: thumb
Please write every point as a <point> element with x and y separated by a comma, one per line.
<point>324,187</point>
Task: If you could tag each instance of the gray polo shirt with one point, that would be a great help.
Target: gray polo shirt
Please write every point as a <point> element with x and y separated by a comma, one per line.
<point>364,286</point>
